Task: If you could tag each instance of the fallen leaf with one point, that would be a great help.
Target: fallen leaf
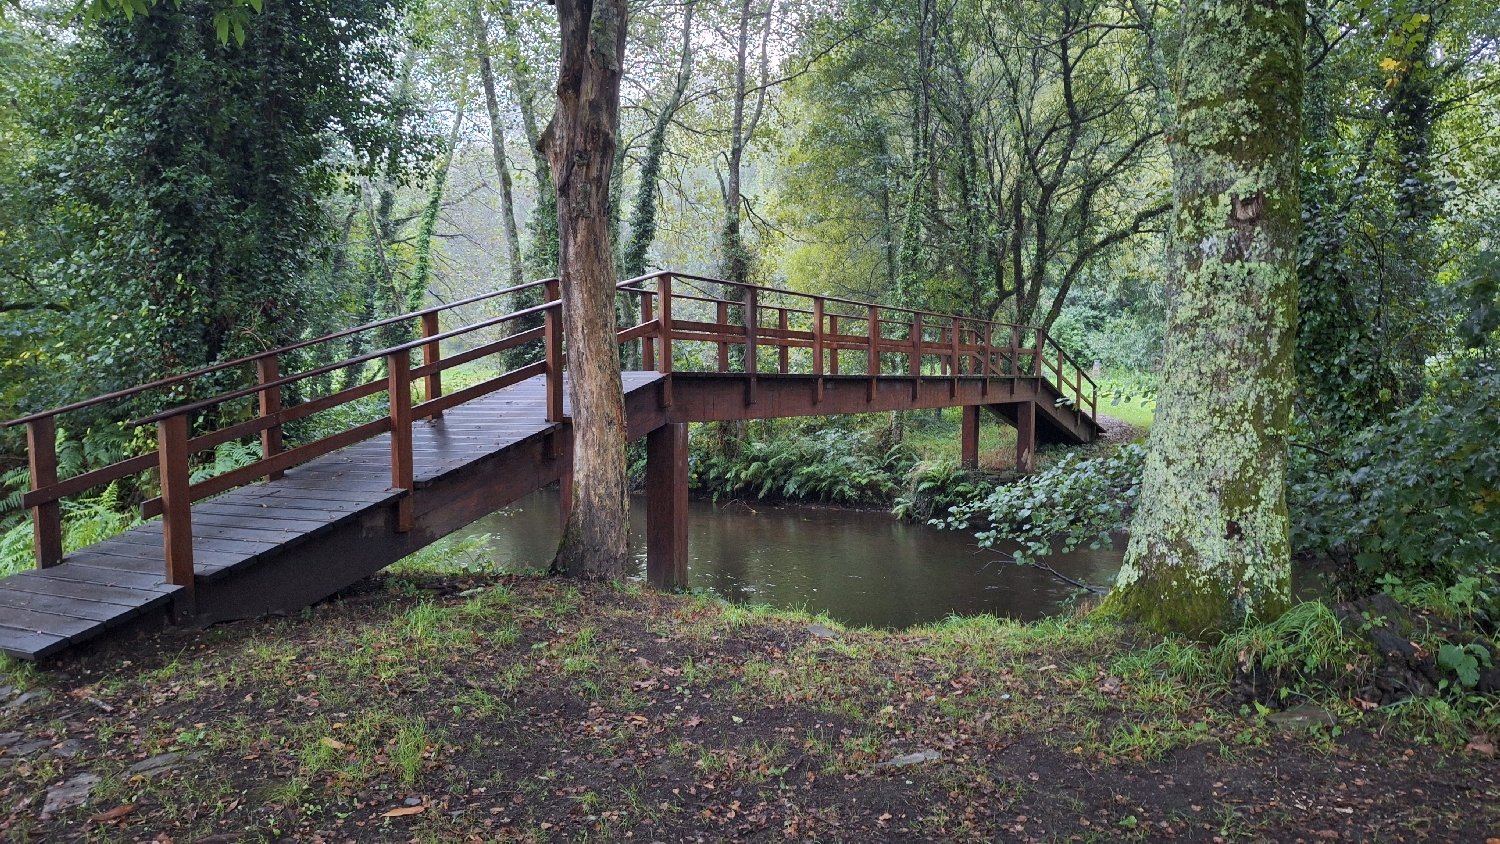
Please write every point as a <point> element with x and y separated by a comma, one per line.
<point>113,814</point>
<point>333,743</point>
<point>1482,745</point>
<point>403,812</point>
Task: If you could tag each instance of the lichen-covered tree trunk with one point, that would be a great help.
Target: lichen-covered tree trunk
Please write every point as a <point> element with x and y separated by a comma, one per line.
<point>580,146</point>
<point>1209,545</point>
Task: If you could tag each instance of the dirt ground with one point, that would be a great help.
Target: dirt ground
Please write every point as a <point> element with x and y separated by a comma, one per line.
<point>533,709</point>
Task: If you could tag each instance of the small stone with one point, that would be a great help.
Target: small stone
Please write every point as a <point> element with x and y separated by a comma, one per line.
<point>8,739</point>
<point>72,793</point>
<point>911,759</point>
<point>22,700</point>
<point>156,764</point>
<point>1302,717</point>
<point>413,801</point>
<point>26,748</point>
<point>822,631</point>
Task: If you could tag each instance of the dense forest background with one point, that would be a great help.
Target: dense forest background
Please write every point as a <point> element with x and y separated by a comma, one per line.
<point>196,181</point>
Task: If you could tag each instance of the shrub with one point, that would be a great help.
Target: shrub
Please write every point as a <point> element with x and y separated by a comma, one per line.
<point>1075,501</point>
<point>836,465</point>
<point>1414,499</point>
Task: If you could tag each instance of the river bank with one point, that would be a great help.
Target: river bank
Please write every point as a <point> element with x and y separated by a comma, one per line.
<point>453,708</point>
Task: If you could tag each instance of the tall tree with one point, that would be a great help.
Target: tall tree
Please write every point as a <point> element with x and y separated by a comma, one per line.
<point>1209,544</point>
<point>734,255</point>
<point>481,29</point>
<point>580,145</point>
<point>643,213</point>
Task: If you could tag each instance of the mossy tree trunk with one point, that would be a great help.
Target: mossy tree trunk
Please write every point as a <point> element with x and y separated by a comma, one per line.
<point>1209,543</point>
<point>580,146</point>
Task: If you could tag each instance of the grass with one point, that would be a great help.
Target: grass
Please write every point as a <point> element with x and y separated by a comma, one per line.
<point>527,708</point>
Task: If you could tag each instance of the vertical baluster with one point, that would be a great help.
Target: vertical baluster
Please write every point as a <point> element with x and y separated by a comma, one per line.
<point>46,519</point>
<point>553,334</point>
<point>987,367</point>
<point>398,386</point>
<point>431,353</point>
<point>648,343</point>
<point>268,369</point>
<point>872,363</point>
<point>1015,352</point>
<point>1038,352</point>
<point>176,509</point>
<point>723,320</point>
<point>817,349</point>
<point>953,379</point>
<point>664,288</point>
<point>833,349</point>
<point>752,359</point>
<point>785,350</point>
<point>916,354</point>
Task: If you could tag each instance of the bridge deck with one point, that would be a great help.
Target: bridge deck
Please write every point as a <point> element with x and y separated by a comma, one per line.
<point>122,578</point>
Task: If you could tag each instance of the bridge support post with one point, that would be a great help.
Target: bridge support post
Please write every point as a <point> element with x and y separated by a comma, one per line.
<point>1025,436</point>
<point>666,506</point>
<point>969,437</point>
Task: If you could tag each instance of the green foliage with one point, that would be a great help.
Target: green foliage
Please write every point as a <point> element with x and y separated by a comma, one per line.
<point>1416,497</point>
<point>1304,641</point>
<point>85,522</point>
<point>937,487</point>
<point>836,464</point>
<point>1074,502</point>
<point>1465,661</point>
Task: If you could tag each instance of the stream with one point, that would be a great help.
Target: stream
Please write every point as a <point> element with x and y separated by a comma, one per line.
<point>862,568</point>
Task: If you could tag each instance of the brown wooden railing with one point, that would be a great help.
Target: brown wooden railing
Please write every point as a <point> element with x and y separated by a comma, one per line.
<point>822,336</point>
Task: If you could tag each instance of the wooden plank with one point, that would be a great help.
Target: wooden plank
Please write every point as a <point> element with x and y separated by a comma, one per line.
<point>107,577</point>
<point>108,614</point>
<point>117,595</point>
<point>25,645</point>
<point>72,629</point>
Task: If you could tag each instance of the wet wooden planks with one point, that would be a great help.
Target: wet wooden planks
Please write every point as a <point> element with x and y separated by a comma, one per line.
<point>111,582</point>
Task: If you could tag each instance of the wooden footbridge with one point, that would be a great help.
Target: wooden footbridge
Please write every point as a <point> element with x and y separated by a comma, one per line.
<point>333,500</point>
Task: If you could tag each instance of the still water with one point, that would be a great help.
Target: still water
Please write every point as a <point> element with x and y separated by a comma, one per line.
<point>861,568</point>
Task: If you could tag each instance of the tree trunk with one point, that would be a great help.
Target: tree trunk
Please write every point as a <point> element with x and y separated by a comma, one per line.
<point>541,259</point>
<point>417,292</point>
<point>643,215</point>
<point>1209,543</point>
<point>580,146</point>
<point>497,144</point>
<point>736,257</point>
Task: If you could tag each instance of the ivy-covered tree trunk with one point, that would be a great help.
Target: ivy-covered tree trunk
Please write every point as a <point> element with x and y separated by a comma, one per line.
<point>1209,543</point>
<point>580,145</point>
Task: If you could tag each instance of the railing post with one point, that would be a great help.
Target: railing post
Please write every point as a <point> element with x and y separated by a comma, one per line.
<point>268,369</point>
<point>398,385</point>
<point>176,509</point>
<point>817,348</point>
<point>785,350</point>
<point>648,343</point>
<point>431,353</point>
<point>1015,352</point>
<point>987,369</point>
<point>833,351</point>
<point>723,320</point>
<point>916,354</point>
<point>752,361</point>
<point>872,363</point>
<point>1036,356</point>
<point>46,519</point>
<point>553,337</point>
<point>953,375</point>
<point>664,287</point>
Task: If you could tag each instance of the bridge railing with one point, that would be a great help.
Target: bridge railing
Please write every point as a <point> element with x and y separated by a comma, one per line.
<point>757,330</point>
<point>828,336</point>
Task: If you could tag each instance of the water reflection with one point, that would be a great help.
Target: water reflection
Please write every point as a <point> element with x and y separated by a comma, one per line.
<point>862,568</point>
